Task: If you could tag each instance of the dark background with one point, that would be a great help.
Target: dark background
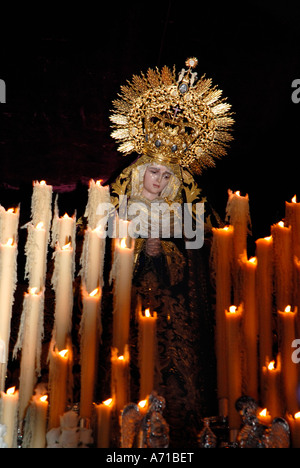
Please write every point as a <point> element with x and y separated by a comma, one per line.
<point>63,64</point>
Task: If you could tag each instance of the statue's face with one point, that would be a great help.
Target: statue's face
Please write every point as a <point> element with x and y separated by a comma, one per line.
<point>156,178</point>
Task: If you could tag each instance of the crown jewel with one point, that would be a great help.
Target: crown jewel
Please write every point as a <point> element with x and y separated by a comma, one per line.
<point>183,121</point>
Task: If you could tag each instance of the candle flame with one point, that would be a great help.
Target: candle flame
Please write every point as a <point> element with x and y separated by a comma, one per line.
<point>42,182</point>
<point>108,402</point>
<point>10,391</point>
<point>10,241</point>
<point>32,291</point>
<point>121,358</point>
<point>294,199</point>
<point>238,193</point>
<point>99,182</point>
<point>253,260</point>
<point>123,243</point>
<point>232,309</point>
<point>94,292</point>
<point>264,412</point>
<point>10,210</point>
<point>63,353</point>
<point>271,365</point>
<point>40,225</point>
<point>297,415</point>
<point>288,309</point>
<point>142,403</point>
<point>66,216</point>
<point>147,313</point>
<point>67,246</point>
<point>281,224</point>
<point>268,238</point>
<point>44,398</point>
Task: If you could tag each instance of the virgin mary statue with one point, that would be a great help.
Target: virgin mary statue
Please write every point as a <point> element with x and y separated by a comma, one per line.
<point>177,127</point>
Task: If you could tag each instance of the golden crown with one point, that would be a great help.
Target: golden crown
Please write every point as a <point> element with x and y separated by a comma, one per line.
<point>177,121</point>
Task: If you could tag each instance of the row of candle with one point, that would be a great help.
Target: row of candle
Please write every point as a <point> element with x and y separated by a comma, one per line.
<point>60,350</point>
<point>245,351</point>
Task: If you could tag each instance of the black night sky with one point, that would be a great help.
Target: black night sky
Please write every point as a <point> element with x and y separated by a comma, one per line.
<point>63,65</point>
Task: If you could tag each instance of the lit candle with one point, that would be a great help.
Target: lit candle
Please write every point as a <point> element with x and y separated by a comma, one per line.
<point>59,362</point>
<point>270,388</point>
<point>97,195</point>
<point>8,279</point>
<point>294,423</point>
<point>120,378</point>
<point>264,417</point>
<point>41,205</point>
<point>36,423</point>
<point>292,218</point>
<point>264,291</point>
<point>234,367</point>
<point>290,377</point>
<point>147,351</point>
<point>122,274</point>
<point>30,341</point>
<point>92,258</point>
<point>250,328</point>
<point>9,223</point>
<point>104,411</point>
<point>283,266</point>
<point>63,228</point>
<point>238,215</point>
<point>222,252</point>
<point>36,255</point>
<point>9,407</point>
<point>90,333</point>
<point>62,282</point>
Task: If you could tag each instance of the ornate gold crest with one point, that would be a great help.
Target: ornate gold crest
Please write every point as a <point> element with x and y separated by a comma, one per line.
<point>181,121</point>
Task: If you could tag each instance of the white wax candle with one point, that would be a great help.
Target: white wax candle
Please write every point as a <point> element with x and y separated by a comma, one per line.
<point>120,378</point>
<point>62,282</point>
<point>9,222</point>
<point>92,259</point>
<point>90,332</point>
<point>58,384</point>
<point>9,407</point>
<point>97,195</point>
<point>8,278</point>
<point>30,341</point>
<point>104,414</point>
<point>147,336</point>
<point>122,273</point>
<point>36,255</point>
<point>41,203</point>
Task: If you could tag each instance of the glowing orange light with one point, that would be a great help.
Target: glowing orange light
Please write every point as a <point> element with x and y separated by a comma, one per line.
<point>40,225</point>
<point>142,403</point>
<point>238,193</point>
<point>281,224</point>
<point>232,309</point>
<point>263,412</point>
<point>147,313</point>
<point>108,402</point>
<point>66,216</point>
<point>288,309</point>
<point>32,291</point>
<point>99,182</point>
<point>294,199</point>
<point>297,415</point>
<point>123,243</point>
<point>94,292</point>
<point>268,238</point>
<point>10,210</point>
<point>253,260</point>
<point>43,182</point>
<point>63,353</point>
<point>271,365</point>
<point>44,398</point>
<point>121,358</point>
<point>10,391</point>
<point>67,246</point>
<point>10,241</point>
